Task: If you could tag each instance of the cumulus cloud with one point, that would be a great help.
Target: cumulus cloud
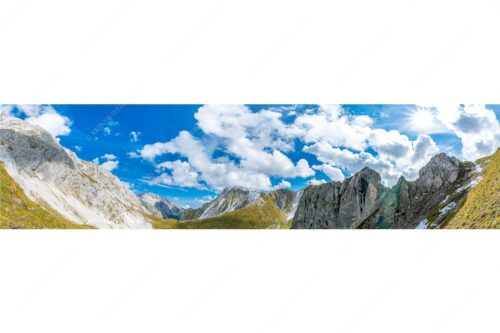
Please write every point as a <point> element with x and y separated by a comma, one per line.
<point>315,182</point>
<point>391,165</point>
<point>242,147</point>
<point>282,185</point>
<point>46,117</point>
<point>216,173</point>
<point>330,124</point>
<point>110,162</point>
<point>475,125</point>
<point>255,144</point>
<point>181,174</point>
<point>109,165</point>
<point>108,157</point>
<point>332,172</point>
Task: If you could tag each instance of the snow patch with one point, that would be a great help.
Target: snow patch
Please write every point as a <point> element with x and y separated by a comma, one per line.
<point>446,209</point>
<point>422,224</point>
<point>295,205</point>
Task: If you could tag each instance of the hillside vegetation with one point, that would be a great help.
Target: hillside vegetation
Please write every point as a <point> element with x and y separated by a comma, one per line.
<point>17,211</point>
<point>262,214</point>
<point>481,209</point>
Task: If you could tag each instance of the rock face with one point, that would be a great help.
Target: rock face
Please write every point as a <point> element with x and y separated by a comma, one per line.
<point>231,199</point>
<point>362,202</point>
<point>160,207</point>
<point>52,175</point>
<point>441,171</point>
<point>338,205</point>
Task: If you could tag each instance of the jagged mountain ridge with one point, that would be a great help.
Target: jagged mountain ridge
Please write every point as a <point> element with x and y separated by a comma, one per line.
<point>361,201</point>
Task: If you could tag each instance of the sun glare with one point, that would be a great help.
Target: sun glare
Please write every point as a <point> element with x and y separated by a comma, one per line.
<point>422,120</point>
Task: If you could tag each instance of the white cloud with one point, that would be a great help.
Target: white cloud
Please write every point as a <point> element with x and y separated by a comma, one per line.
<point>475,125</point>
<point>110,162</point>
<point>133,154</point>
<point>109,165</point>
<point>107,130</point>
<point>6,109</point>
<point>134,136</point>
<point>315,182</point>
<point>254,143</point>
<point>216,173</point>
<point>78,148</point>
<point>246,148</point>
<point>389,143</point>
<point>282,185</point>
<point>332,172</point>
<point>181,175</point>
<point>390,164</point>
<point>330,124</point>
<point>46,117</point>
<point>108,157</point>
<point>151,151</point>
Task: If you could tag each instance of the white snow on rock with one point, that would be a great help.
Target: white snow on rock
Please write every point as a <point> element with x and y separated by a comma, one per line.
<point>295,205</point>
<point>446,209</point>
<point>422,224</point>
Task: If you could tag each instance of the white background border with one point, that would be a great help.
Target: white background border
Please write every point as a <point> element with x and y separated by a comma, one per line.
<point>249,52</point>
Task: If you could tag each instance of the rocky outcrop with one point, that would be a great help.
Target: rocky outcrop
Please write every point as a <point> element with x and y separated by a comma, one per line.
<point>160,207</point>
<point>52,175</point>
<point>362,202</point>
<point>338,205</point>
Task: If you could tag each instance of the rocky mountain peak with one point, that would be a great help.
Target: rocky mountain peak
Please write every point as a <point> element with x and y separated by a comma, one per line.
<point>29,146</point>
<point>230,199</point>
<point>366,174</point>
<point>52,175</point>
<point>159,206</point>
<point>442,170</point>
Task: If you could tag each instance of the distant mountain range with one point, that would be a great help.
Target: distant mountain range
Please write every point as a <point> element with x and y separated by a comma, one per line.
<point>44,185</point>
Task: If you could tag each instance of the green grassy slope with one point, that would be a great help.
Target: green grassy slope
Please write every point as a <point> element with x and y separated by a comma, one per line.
<point>17,211</point>
<point>263,214</point>
<point>481,209</point>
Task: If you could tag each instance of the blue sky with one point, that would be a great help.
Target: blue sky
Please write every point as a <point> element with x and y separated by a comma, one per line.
<point>263,146</point>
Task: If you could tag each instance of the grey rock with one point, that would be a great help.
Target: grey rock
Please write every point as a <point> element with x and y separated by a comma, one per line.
<point>338,205</point>
<point>362,202</point>
<point>50,174</point>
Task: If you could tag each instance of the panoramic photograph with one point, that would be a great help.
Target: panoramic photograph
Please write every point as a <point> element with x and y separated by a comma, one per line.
<point>249,166</point>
